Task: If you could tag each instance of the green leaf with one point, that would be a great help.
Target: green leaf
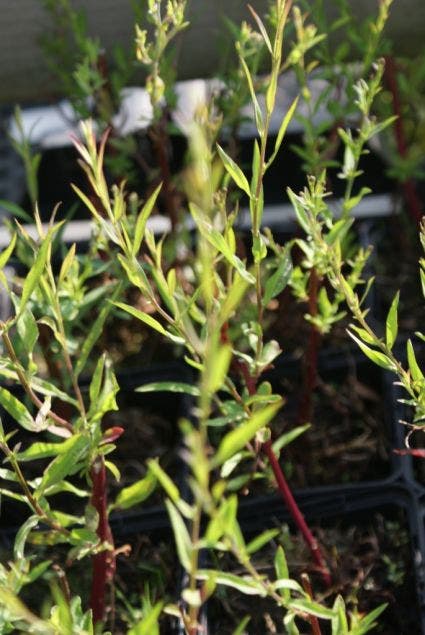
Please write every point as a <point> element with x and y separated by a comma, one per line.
<point>287,438</point>
<point>17,410</point>
<point>219,242</point>
<point>338,231</point>
<point>368,621</point>
<point>262,28</point>
<point>282,572</point>
<point>12,605</point>
<point>165,481</point>
<point>391,324</point>
<point>6,253</point>
<point>28,330</point>
<point>279,279</point>
<point>236,439</point>
<point>259,248</point>
<point>257,110</point>
<point>376,357</point>
<point>240,629</point>
<point>300,212</point>
<point>218,369</point>
<point>64,464</point>
<point>256,167</point>
<point>233,298</point>
<point>339,622</point>
<point>170,386</point>
<point>142,219</point>
<point>244,584</point>
<point>36,271</point>
<point>43,450</point>
<point>312,608</point>
<point>137,492</point>
<point>282,130</point>
<point>149,624</point>
<point>96,381</point>
<point>149,320</point>
<point>363,334</point>
<point>415,371</point>
<point>259,541</point>
<point>22,535</point>
<point>95,332</point>
<point>235,172</point>
<point>181,536</point>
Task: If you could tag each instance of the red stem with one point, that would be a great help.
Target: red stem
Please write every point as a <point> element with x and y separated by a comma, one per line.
<point>286,493</point>
<point>103,562</point>
<point>311,355</point>
<point>409,187</point>
<point>314,622</point>
<point>296,514</point>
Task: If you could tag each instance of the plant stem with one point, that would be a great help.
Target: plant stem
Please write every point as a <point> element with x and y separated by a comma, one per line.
<point>311,354</point>
<point>287,495</point>
<point>314,622</point>
<point>104,561</point>
<point>32,501</point>
<point>296,514</point>
<point>410,193</point>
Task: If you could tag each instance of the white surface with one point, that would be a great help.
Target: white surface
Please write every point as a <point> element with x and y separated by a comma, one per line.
<point>282,215</point>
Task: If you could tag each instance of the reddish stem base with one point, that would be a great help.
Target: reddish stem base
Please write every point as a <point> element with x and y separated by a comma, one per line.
<point>103,562</point>
<point>296,513</point>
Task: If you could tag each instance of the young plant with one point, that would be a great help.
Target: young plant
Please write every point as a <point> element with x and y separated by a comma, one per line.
<point>199,311</point>
<point>325,115</point>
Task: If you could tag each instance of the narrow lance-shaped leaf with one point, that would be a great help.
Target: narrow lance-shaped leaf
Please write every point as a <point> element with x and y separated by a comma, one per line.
<point>312,608</point>
<point>258,115</point>
<point>279,279</point>
<point>170,386</point>
<point>236,439</point>
<point>244,584</point>
<point>137,492</point>
<point>17,410</point>
<point>6,253</point>
<point>181,536</point>
<point>142,220</point>
<point>282,572</point>
<point>391,325</point>
<point>64,464</point>
<point>217,369</point>
<point>283,128</point>
<point>234,170</point>
<point>37,268</point>
<point>415,371</point>
<point>262,28</point>
<point>22,535</point>
<point>376,357</point>
<point>149,320</point>
<point>95,332</point>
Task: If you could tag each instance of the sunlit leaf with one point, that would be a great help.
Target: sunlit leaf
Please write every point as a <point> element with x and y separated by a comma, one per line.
<point>236,439</point>
<point>137,492</point>
<point>235,172</point>
<point>65,463</point>
<point>170,386</point>
<point>391,324</point>
<point>16,409</point>
<point>181,536</point>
